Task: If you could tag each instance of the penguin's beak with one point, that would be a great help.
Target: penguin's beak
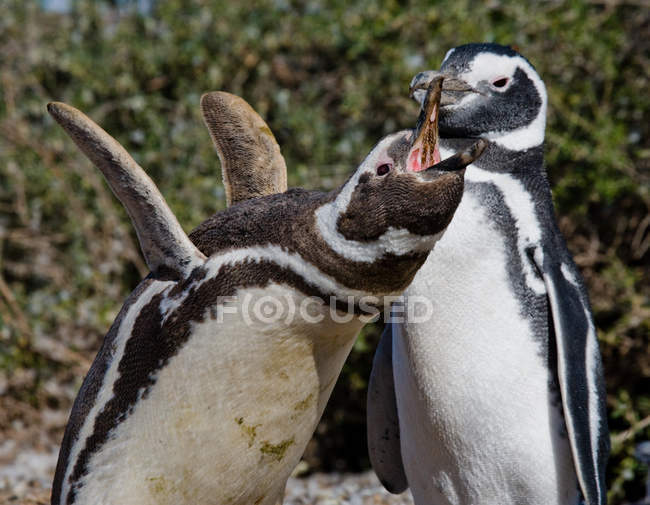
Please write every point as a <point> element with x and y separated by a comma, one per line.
<point>453,88</point>
<point>458,161</point>
<point>424,149</point>
<point>424,156</point>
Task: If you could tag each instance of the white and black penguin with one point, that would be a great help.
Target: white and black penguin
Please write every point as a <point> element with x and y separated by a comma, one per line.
<point>193,400</point>
<point>497,397</point>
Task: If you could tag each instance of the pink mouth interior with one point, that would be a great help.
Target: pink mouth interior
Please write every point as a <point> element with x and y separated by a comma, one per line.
<point>415,159</point>
<point>415,162</point>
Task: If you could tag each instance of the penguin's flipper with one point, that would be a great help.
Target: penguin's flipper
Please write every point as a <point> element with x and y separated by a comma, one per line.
<point>251,162</point>
<point>383,421</point>
<point>163,241</point>
<point>580,375</point>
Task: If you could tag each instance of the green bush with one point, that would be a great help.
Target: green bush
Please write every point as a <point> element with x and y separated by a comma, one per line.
<point>330,78</point>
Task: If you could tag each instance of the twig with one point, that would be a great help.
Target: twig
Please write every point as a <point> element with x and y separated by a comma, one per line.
<point>10,300</point>
<point>623,436</point>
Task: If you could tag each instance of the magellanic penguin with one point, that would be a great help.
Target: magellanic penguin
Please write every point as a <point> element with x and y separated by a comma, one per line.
<point>198,394</point>
<point>497,396</point>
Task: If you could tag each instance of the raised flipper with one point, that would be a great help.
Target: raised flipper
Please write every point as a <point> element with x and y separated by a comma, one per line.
<point>580,372</point>
<point>251,162</point>
<point>163,241</point>
<point>383,422</point>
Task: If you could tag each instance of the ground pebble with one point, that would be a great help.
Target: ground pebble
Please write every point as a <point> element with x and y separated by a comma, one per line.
<point>341,489</point>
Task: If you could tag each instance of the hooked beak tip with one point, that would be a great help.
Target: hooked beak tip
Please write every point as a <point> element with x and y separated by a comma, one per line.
<point>453,87</point>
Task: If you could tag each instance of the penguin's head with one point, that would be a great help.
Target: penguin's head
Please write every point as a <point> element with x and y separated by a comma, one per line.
<point>402,197</point>
<point>489,91</point>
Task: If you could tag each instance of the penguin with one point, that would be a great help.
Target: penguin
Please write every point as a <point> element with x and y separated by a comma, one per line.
<point>498,396</point>
<point>194,397</point>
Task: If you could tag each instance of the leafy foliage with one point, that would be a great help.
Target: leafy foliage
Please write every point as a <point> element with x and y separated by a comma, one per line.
<point>330,78</point>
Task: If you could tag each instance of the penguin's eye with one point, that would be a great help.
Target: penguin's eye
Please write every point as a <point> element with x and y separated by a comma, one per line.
<point>383,169</point>
<point>501,82</point>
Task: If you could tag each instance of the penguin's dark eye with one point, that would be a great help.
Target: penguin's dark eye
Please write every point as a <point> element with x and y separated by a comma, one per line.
<point>383,169</point>
<point>500,83</point>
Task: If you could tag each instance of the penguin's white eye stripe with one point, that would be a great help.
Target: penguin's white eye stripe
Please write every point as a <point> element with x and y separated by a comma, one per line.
<point>483,69</point>
<point>492,67</point>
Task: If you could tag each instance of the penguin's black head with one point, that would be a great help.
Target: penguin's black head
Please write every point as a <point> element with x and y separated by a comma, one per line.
<point>489,91</point>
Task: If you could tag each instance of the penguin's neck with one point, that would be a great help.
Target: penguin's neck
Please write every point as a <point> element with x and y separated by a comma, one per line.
<point>499,159</point>
<point>371,267</point>
<point>525,166</point>
<point>282,229</point>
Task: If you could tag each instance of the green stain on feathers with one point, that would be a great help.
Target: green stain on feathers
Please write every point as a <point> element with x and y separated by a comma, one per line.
<point>276,451</point>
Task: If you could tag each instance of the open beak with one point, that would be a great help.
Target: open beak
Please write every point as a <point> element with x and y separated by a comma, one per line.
<point>424,150</point>
<point>424,155</point>
<point>453,89</point>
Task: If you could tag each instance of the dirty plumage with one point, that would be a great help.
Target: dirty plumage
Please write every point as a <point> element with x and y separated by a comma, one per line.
<point>193,398</point>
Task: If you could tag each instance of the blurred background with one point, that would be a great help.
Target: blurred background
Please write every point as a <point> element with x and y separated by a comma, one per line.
<point>330,78</point>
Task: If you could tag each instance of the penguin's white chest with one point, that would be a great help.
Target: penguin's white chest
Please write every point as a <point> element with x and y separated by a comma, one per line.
<point>229,416</point>
<point>482,426</point>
